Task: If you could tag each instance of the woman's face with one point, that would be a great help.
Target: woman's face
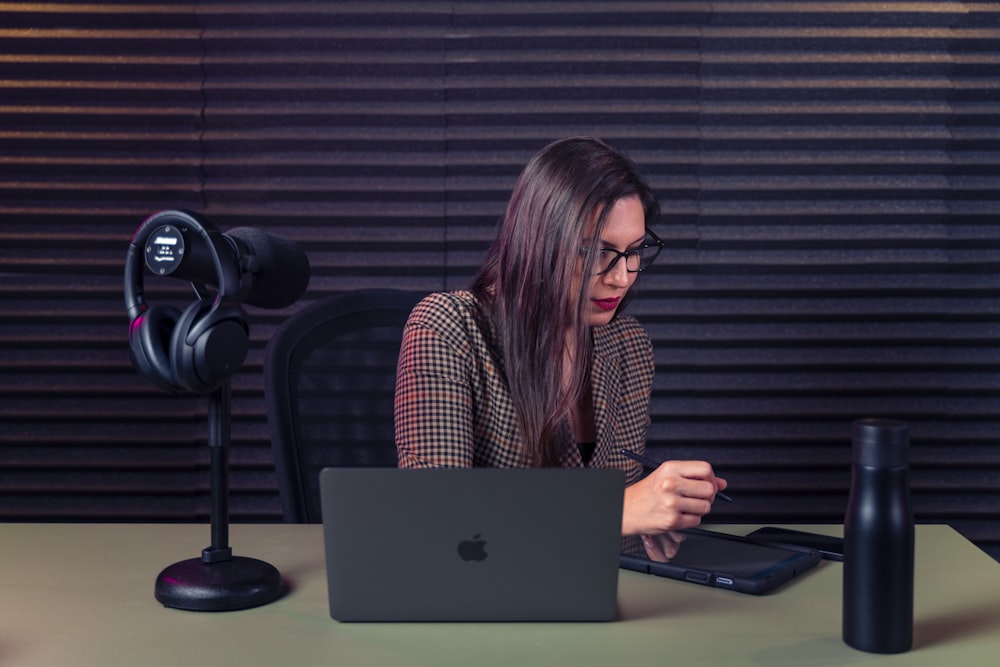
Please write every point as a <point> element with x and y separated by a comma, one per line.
<point>624,229</point>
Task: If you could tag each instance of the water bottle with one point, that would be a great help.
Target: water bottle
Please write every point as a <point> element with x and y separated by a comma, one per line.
<point>878,540</point>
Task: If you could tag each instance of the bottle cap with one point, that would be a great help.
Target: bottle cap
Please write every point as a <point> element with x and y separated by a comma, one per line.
<point>881,443</point>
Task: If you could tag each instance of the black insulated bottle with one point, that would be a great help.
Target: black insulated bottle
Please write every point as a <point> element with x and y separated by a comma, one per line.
<point>878,540</point>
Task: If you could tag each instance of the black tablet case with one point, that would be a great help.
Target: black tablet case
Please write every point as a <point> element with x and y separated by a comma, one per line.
<point>726,561</point>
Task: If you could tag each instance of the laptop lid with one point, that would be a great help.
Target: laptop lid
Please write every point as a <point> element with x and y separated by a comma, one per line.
<point>472,544</point>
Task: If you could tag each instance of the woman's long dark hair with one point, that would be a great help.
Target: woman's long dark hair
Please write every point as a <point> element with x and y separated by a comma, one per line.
<point>531,286</point>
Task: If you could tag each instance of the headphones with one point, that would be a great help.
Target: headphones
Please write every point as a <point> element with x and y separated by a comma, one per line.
<point>198,349</point>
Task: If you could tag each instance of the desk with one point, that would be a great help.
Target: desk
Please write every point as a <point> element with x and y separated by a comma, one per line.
<point>82,594</point>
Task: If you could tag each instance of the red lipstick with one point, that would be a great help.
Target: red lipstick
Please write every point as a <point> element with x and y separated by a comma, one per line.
<point>607,304</point>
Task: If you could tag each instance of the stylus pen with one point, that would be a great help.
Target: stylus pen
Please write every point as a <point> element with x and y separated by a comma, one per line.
<point>653,465</point>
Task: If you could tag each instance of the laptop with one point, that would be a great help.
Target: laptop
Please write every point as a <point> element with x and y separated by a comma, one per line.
<point>472,544</point>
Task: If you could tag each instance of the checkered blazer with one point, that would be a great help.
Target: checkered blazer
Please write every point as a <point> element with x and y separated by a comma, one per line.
<point>453,407</point>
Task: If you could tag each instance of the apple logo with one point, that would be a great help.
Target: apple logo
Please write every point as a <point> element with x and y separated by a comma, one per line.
<point>474,549</point>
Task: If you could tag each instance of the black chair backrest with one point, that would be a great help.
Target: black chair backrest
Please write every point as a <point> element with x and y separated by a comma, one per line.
<point>329,378</point>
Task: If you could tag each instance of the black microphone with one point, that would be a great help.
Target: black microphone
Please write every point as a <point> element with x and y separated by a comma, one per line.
<point>274,271</point>
<point>279,270</point>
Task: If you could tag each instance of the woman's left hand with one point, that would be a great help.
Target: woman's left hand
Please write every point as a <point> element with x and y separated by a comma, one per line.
<point>662,546</point>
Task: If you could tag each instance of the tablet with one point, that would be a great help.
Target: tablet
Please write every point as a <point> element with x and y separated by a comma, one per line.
<point>725,561</point>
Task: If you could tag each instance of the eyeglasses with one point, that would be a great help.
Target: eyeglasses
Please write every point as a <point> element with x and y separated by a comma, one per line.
<point>636,259</point>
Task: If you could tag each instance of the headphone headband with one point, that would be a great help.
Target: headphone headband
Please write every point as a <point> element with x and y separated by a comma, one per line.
<point>227,273</point>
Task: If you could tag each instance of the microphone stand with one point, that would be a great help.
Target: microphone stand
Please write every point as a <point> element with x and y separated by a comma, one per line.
<point>218,581</point>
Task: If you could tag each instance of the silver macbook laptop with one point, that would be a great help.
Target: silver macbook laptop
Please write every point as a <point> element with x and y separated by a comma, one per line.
<point>472,544</point>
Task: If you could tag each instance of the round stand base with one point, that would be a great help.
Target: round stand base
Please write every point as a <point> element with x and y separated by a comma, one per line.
<point>236,583</point>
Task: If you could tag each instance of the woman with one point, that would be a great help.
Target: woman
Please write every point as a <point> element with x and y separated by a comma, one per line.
<point>535,365</point>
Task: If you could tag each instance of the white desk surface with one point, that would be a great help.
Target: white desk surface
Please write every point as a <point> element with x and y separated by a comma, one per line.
<point>76,595</point>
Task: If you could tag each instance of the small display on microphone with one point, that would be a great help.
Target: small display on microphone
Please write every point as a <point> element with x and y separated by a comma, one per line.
<point>165,250</point>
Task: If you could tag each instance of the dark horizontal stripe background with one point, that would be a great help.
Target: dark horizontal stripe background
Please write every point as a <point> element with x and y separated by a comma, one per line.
<point>828,174</point>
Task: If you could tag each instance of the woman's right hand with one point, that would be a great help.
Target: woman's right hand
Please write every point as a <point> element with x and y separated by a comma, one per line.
<point>674,496</point>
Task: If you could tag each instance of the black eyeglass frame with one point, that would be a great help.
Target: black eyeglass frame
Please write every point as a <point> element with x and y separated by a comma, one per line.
<point>651,241</point>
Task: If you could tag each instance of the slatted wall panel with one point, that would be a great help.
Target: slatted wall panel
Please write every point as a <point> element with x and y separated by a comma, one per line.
<point>828,174</point>
<point>839,257</point>
<point>100,116</point>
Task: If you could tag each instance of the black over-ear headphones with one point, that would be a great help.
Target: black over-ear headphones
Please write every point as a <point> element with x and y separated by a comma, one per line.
<point>197,350</point>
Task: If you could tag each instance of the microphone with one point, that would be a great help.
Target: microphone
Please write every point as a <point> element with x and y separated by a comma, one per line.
<point>280,272</point>
<point>274,271</point>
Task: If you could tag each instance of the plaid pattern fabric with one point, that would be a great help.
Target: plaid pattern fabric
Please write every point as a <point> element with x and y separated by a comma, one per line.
<point>453,408</point>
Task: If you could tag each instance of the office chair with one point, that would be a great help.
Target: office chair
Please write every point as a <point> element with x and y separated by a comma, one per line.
<point>329,381</point>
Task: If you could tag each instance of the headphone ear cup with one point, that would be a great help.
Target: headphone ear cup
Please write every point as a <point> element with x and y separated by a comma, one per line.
<point>149,338</point>
<point>208,345</point>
